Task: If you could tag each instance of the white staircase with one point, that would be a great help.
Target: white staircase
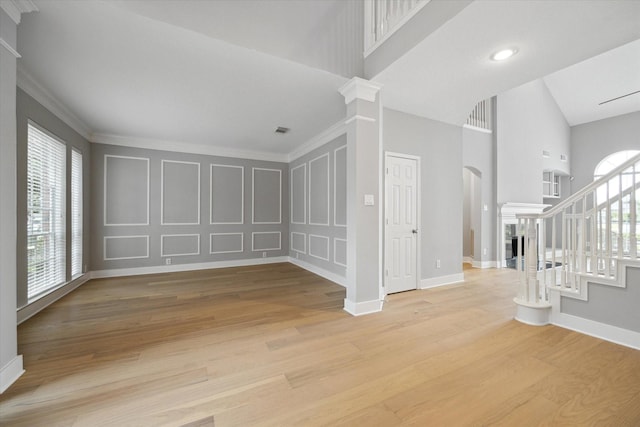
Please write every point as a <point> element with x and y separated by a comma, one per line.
<point>591,238</point>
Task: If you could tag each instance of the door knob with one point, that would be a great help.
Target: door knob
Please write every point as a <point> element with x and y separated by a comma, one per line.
<point>415,231</point>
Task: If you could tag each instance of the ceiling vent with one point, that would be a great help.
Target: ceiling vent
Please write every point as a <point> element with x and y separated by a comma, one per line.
<point>280,129</point>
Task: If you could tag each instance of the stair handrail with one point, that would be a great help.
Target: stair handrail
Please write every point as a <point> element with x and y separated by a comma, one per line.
<point>584,191</point>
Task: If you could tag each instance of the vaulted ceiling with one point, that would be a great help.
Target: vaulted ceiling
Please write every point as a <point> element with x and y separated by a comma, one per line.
<point>223,74</point>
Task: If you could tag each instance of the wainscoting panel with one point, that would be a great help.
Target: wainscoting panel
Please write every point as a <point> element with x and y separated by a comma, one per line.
<point>266,208</point>
<point>227,194</point>
<point>319,247</point>
<point>299,194</point>
<point>125,247</point>
<point>266,241</point>
<point>224,243</point>
<point>299,242</point>
<point>126,190</point>
<point>319,190</point>
<point>180,193</point>
<point>179,244</point>
<point>340,187</point>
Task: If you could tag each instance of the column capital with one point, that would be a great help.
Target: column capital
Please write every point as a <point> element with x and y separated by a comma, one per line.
<point>358,88</point>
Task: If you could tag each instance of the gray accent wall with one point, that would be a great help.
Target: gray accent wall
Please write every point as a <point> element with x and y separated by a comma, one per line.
<point>29,109</point>
<point>318,207</point>
<point>154,208</point>
<point>439,146</point>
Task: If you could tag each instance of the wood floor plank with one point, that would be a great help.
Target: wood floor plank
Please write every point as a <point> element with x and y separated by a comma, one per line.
<point>270,345</point>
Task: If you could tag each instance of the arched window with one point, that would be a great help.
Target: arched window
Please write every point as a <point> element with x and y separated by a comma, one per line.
<point>608,164</point>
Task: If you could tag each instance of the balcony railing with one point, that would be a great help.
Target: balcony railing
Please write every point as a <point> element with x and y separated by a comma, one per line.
<point>383,17</point>
<point>480,117</point>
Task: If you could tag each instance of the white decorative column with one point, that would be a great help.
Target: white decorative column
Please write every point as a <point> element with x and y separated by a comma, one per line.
<point>10,362</point>
<point>364,197</point>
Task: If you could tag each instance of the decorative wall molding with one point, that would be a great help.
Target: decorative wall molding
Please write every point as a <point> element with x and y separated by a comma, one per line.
<point>50,102</point>
<point>434,282</point>
<point>335,185</point>
<point>212,252</point>
<point>311,210</point>
<point>304,194</point>
<point>10,48</point>
<point>10,372</point>
<point>162,195</point>
<point>362,308</point>
<point>253,241</point>
<point>185,147</point>
<point>104,247</point>
<point>358,88</point>
<point>336,278</point>
<point>162,244</point>
<point>359,117</point>
<point>253,196</point>
<point>326,246</point>
<point>15,8</point>
<point>335,261</point>
<point>119,272</point>
<point>292,247</point>
<point>104,195</point>
<point>211,167</point>
<point>319,140</point>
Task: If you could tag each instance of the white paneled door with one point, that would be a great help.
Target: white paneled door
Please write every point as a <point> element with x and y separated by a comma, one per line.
<point>401,223</point>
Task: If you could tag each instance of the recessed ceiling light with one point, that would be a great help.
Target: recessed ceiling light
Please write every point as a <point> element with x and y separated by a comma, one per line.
<point>503,54</point>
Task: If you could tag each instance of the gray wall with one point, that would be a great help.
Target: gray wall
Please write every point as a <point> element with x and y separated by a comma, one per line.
<point>317,228</point>
<point>478,154</point>
<point>528,122</point>
<point>29,109</point>
<point>439,146</point>
<point>592,142</point>
<point>150,206</point>
<point>609,304</point>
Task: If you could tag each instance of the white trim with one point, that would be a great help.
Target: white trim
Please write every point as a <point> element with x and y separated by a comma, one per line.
<point>328,190</point>
<point>35,306</point>
<point>324,137</point>
<point>603,331</point>
<point>211,166</point>
<point>434,282</point>
<point>476,128</point>
<point>253,246</point>
<point>336,278</point>
<point>10,48</point>
<point>359,117</point>
<point>467,260</point>
<point>162,236</point>
<point>211,252</point>
<point>303,251</point>
<point>15,8</point>
<point>532,314</point>
<point>119,272</point>
<point>362,308</point>
<point>104,194</point>
<point>484,264</point>
<point>368,51</point>
<point>104,248</point>
<point>162,162</point>
<point>253,194</point>
<point>358,88</point>
<point>185,147</point>
<point>336,239</point>
<point>304,196</point>
<point>327,246</point>
<point>44,97</point>
<point>10,373</point>
<point>335,155</point>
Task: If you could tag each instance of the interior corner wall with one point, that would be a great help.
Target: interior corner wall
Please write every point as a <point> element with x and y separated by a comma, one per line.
<point>529,122</point>
<point>318,227</point>
<point>27,109</point>
<point>151,208</point>
<point>439,146</point>
<point>592,142</point>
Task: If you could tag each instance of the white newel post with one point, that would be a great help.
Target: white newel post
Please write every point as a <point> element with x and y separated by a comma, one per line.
<point>364,196</point>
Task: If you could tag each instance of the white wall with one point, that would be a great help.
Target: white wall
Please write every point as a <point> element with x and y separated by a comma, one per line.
<point>528,122</point>
<point>439,146</point>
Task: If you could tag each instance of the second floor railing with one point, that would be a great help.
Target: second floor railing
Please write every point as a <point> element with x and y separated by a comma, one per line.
<point>383,17</point>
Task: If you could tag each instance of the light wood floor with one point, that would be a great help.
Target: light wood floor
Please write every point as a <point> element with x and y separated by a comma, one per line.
<point>271,345</point>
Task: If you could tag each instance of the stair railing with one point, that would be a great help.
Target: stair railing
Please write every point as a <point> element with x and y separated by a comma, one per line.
<point>586,235</point>
<point>383,17</point>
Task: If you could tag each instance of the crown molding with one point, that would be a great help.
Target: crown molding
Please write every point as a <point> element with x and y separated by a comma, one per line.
<point>185,147</point>
<point>358,88</point>
<point>15,8</point>
<point>319,140</point>
<point>44,97</point>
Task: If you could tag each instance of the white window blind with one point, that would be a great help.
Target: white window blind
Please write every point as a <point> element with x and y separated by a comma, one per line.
<point>76,213</point>
<point>46,158</point>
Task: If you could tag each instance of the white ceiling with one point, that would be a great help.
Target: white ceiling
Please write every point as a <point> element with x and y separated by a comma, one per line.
<point>580,88</point>
<point>224,74</point>
<point>446,74</point>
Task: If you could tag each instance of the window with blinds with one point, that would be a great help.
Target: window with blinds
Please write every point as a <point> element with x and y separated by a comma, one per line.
<point>46,249</point>
<point>76,213</point>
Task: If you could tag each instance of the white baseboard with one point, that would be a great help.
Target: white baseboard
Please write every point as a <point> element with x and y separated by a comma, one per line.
<point>603,331</point>
<point>467,260</point>
<point>362,308</point>
<point>118,272</point>
<point>340,280</point>
<point>433,282</point>
<point>10,372</point>
<point>483,264</point>
<point>37,306</point>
